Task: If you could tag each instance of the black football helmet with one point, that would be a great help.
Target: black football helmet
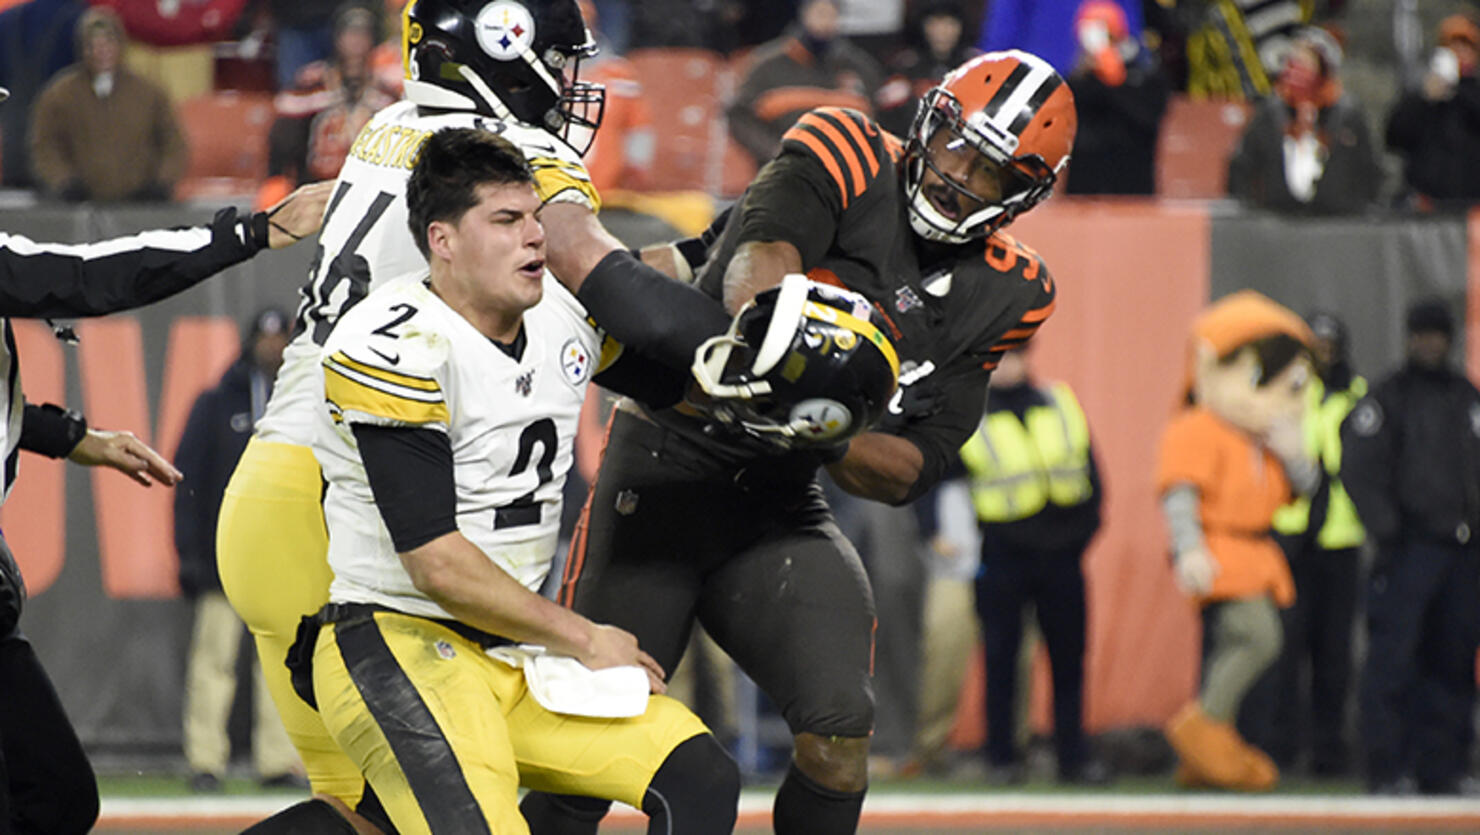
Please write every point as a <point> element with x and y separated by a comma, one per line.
<point>510,59</point>
<point>803,364</point>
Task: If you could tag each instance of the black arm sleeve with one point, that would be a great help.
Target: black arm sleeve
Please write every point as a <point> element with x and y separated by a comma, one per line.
<point>410,473</point>
<point>649,312</point>
<point>644,379</point>
<point>940,434</point>
<point>51,430</point>
<point>53,280</point>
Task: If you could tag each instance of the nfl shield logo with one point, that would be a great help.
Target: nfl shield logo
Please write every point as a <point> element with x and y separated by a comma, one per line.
<point>524,383</point>
<point>906,299</point>
<point>626,503</point>
<point>445,650</point>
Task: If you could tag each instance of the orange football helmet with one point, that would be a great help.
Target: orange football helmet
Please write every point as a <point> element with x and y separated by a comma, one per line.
<point>1010,107</point>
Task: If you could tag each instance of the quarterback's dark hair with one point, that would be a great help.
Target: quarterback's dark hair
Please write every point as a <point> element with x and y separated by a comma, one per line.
<point>451,165</point>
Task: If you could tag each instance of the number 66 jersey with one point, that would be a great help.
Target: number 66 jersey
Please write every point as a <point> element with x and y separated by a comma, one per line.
<point>365,240</point>
<point>403,358</point>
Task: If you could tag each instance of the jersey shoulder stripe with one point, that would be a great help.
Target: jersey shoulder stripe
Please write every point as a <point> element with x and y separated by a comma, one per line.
<point>848,145</point>
<point>356,395</point>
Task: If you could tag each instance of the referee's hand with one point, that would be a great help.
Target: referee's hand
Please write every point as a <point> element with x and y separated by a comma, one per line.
<point>126,454</point>
<point>298,215</point>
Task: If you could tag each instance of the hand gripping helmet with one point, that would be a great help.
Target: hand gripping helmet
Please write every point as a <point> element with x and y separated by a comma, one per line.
<point>1012,108</point>
<point>510,59</point>
<point>802,364</point>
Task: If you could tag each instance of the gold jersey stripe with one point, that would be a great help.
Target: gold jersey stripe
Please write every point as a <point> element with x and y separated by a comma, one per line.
<point>550,180</point>
<point>393,377</point>
<point>350,395</point>
<point>611,351</point>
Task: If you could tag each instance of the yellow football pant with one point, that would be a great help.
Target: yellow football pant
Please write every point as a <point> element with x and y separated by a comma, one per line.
<point>446,734</point>
<point>271,547</point>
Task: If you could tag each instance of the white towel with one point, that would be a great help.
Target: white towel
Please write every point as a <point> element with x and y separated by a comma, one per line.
<point>562,684</point>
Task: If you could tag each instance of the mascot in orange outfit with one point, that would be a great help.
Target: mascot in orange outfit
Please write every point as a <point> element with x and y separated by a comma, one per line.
<point>1229,458</point>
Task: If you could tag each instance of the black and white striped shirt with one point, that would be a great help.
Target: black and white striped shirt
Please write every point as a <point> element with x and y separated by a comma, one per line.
<point>39,280</point>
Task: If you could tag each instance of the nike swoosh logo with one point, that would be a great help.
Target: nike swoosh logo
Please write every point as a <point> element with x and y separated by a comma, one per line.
<point>549,149</point>
<point>387,357</point>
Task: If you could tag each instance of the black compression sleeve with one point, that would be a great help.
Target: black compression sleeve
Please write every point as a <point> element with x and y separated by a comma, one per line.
<point>51,430</point>
<point>649,312</point>
<point>410,473</point>
<point>941,434</point>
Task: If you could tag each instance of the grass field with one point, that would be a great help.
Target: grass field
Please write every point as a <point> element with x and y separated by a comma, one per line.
<point>159,804</point>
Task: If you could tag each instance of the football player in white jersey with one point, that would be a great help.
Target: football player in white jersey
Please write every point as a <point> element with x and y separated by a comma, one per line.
<point>452,401</point>
<point>506,66</point>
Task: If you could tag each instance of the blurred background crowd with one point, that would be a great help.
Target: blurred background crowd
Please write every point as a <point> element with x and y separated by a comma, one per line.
<point>1362,110</point>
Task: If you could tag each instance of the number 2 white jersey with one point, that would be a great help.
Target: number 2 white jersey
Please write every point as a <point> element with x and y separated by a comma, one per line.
<point>365,240</point>
<point>404,358</point>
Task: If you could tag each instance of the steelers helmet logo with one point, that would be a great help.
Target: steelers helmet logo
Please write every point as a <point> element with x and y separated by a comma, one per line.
<point>505,29</point>
<point>824,418</point>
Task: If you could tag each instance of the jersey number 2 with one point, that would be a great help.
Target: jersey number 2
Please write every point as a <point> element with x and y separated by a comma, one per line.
<point>524,510</point>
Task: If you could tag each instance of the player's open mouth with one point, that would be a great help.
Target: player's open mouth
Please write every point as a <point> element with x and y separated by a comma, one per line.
<point>945,202</point>
<point>534,269</point>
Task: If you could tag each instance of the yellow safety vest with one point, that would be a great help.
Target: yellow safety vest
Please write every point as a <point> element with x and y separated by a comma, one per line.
<point>1018,467</point>
<point>1323,417</point>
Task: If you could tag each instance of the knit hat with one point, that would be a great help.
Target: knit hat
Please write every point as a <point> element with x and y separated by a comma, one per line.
<point>1430,316</point>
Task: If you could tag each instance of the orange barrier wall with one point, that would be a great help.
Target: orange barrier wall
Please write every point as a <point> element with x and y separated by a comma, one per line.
<point>1131,276</point>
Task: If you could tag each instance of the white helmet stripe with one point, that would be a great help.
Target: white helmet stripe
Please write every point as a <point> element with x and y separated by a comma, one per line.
<point>1039,73</point>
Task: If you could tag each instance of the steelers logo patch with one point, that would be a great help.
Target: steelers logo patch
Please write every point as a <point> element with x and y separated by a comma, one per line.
<point>823,418</point>
<point>505,30</point>
<point>575,361</point>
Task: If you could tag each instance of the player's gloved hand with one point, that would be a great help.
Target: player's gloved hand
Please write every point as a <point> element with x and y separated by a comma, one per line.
<point>910,403</point>
<point>1195,570</point>
<point>614,647</point>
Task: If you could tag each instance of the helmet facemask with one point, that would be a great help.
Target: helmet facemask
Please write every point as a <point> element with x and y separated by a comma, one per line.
<point>793,369</point>
<point>940,129</point>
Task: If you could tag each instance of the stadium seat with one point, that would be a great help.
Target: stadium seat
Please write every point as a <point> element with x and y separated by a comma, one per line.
<point>1197,138</point>
<point>227,135</point>
<point>685,89</point>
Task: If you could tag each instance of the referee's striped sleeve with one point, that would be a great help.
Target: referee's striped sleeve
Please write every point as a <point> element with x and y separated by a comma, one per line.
<point>65,280</point>
<point>359,392</point>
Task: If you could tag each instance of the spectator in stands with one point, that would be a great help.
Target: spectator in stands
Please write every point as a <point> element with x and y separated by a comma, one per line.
<point>1436,128</point>
<point>1120,94</point>
<point>304,34</point>
<point>1302,702</point>
<point>1044,28</point>
<point>1411,462</point>
<point>809,66</point>
<point>100,132</point>
<point>318,120</point>
<point>1037,495</point>
<point>622,153</point>
<point>1237,47</point>
<point>936,47</point>
<point>36,43</point>
<point>1307,147</point>
<point>385,59</point>
<point>216,433</point>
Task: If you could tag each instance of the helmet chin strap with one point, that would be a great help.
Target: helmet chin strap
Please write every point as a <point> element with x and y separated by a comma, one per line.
<point>500,110</point>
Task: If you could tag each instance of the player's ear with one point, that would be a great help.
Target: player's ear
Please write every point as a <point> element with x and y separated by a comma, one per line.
<point>440,237</point>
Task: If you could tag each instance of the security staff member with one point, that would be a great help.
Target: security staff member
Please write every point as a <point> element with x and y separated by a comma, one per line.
<point>1037,494</point>
<point>1411,463</point>
<point>46,783</point>
<point>1320,536</point>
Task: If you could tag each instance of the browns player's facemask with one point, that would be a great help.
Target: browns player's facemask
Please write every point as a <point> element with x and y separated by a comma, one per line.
<point>987,144</point>
<point>802,364</point>
<point>509,59</point>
